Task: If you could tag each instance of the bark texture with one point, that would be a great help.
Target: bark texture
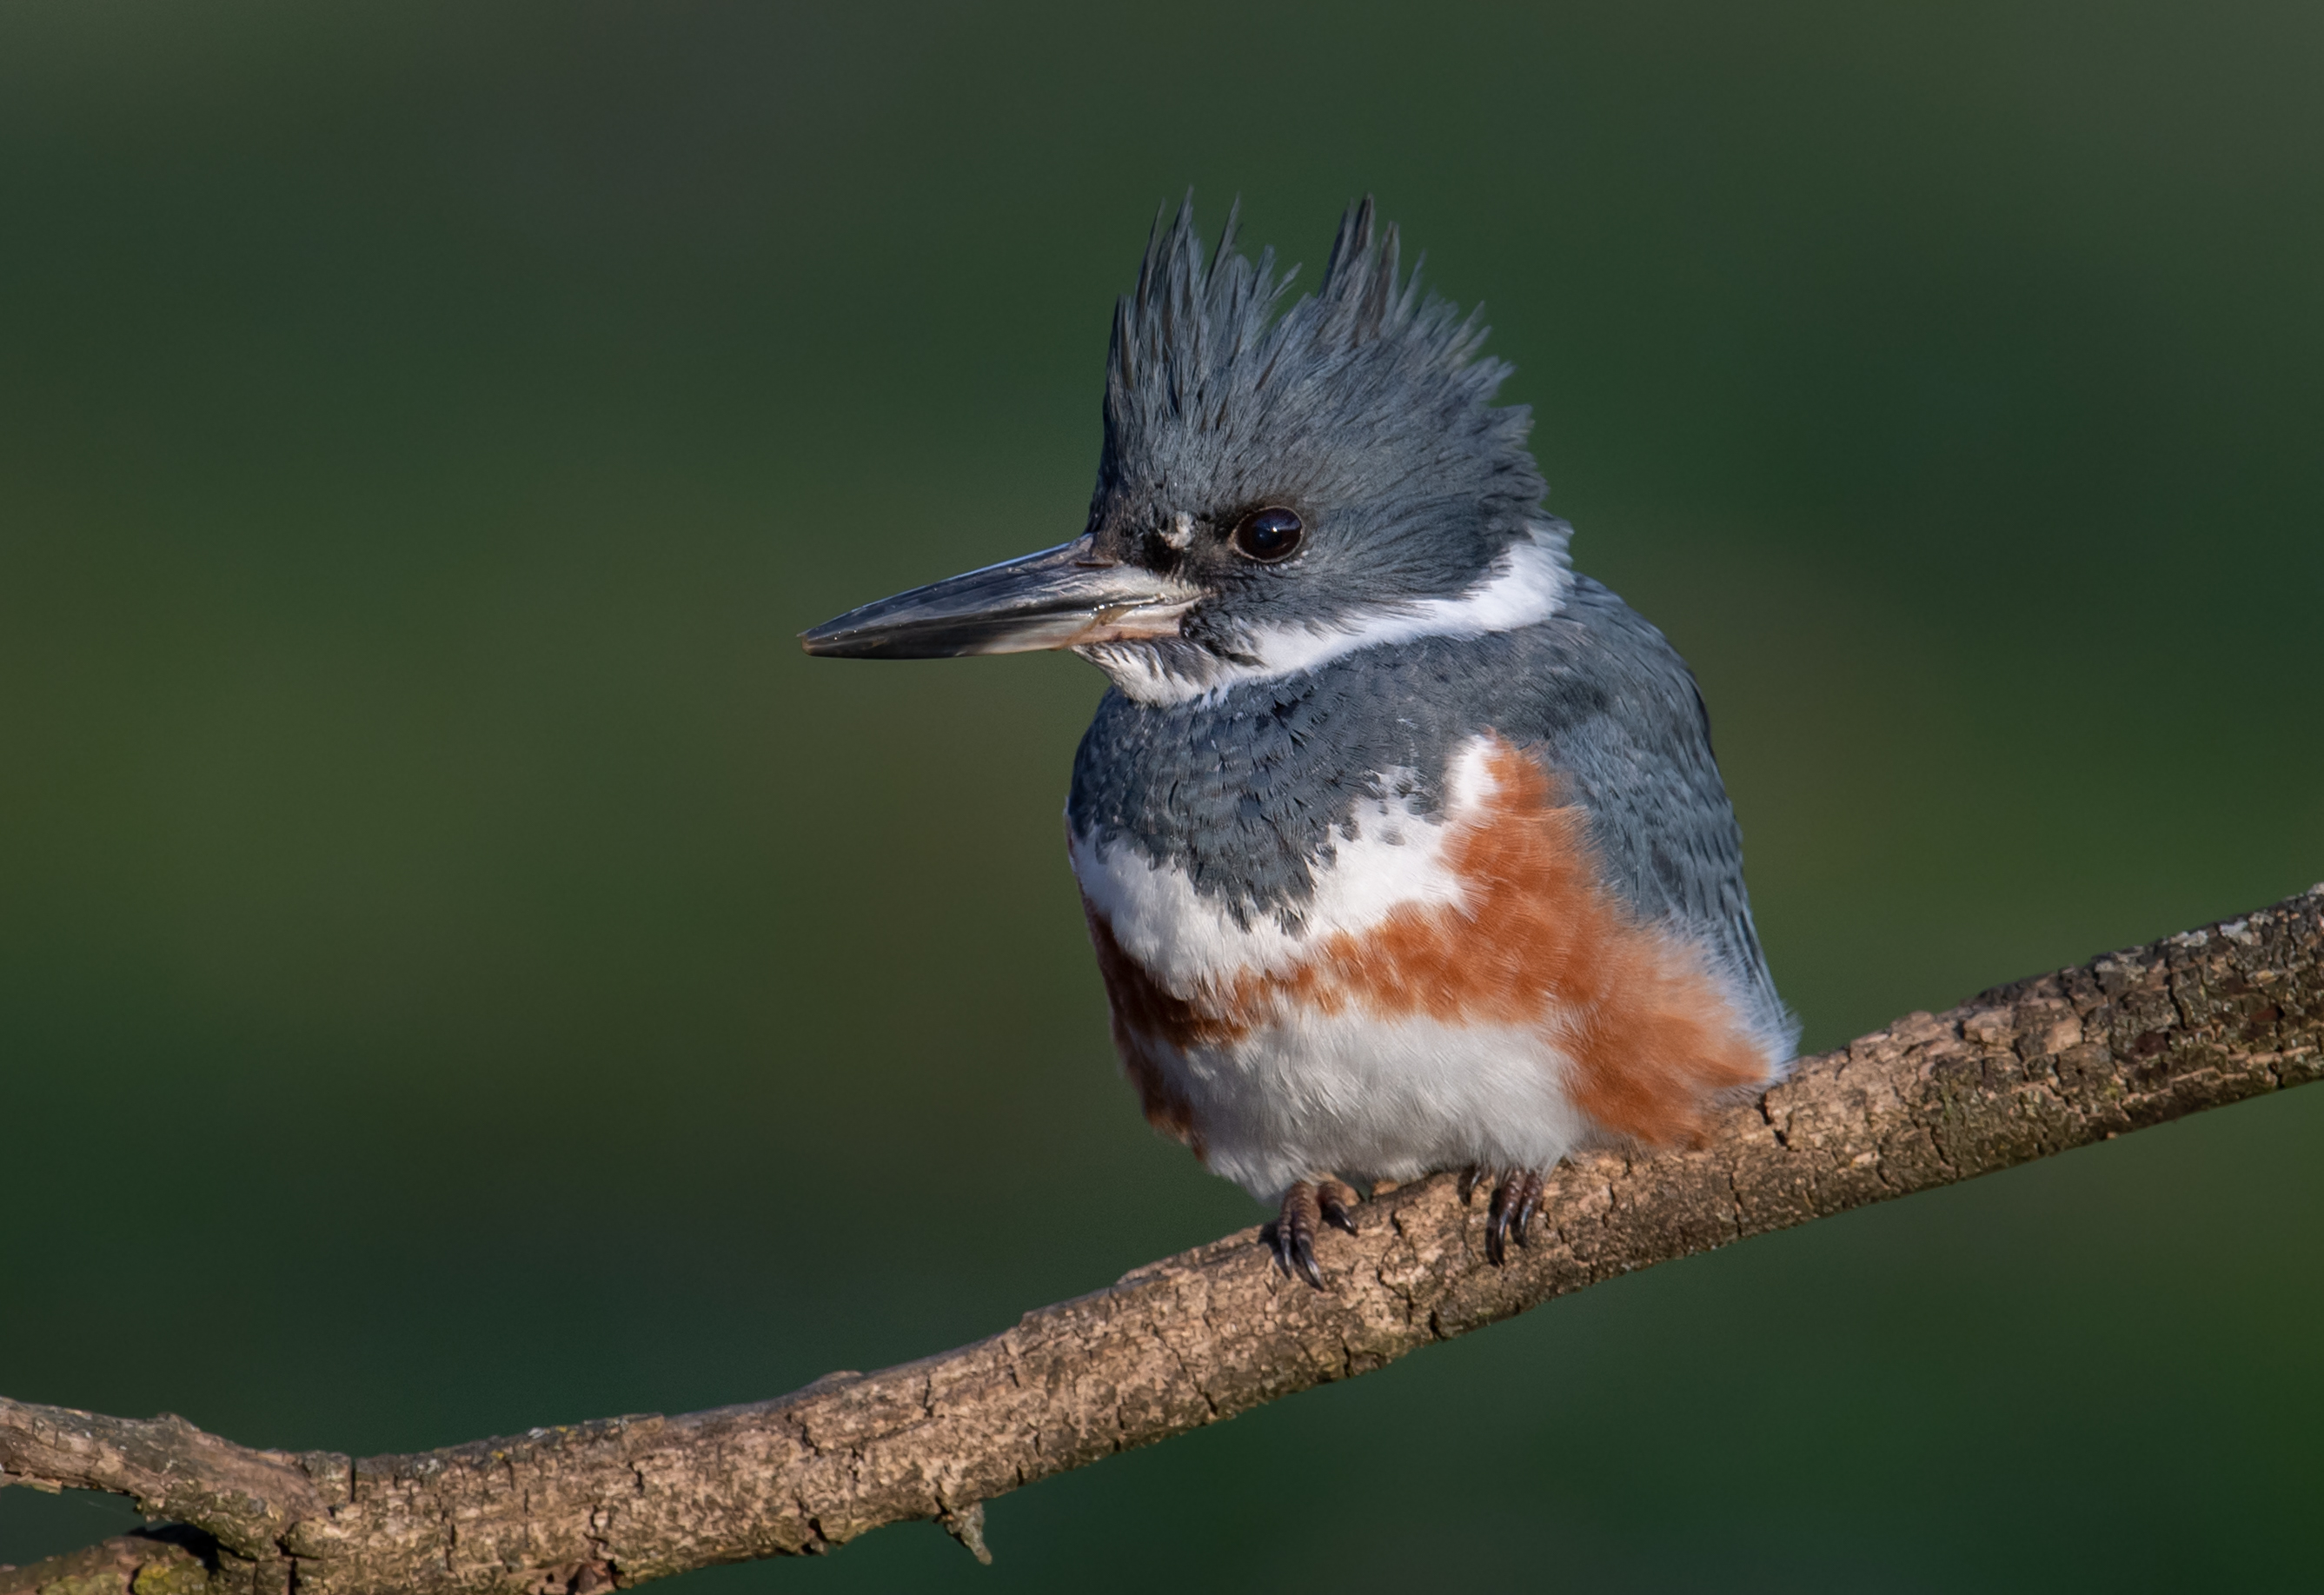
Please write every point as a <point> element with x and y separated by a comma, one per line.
<point>2030,1069</point>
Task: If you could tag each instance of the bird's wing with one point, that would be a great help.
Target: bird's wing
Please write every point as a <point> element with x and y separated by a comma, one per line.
<point>1613,713</point>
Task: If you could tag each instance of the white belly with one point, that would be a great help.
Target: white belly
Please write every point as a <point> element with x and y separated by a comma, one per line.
<point>1318,1086</point>
<point>1372,1098</point>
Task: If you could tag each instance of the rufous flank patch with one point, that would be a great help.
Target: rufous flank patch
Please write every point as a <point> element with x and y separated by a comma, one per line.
<point>1538,939</point>
<point>1145,1017</point>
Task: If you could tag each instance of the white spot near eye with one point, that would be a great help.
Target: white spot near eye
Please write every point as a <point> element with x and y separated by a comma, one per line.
<point>1182,530</point>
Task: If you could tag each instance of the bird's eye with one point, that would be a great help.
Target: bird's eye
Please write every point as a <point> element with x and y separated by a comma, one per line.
<point>1269,535</point>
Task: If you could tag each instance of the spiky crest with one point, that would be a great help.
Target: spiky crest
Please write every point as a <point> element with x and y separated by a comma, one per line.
<point>1207,348</point>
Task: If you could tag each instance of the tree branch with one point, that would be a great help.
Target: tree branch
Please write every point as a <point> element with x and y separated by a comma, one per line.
<point>2210,1016</point>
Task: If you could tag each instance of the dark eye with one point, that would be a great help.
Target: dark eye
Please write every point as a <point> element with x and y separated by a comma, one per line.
<point>1269,535</point>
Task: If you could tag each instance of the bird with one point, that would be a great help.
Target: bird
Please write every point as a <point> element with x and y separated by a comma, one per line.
<point>1402,844</point>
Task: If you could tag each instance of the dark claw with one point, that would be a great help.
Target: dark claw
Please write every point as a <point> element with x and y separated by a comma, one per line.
<point>1335,1198</point>
<point>1469,1176</point>
<point>1528,1204</point>
<point>1515,1199</point>
<point>1295,1234</point>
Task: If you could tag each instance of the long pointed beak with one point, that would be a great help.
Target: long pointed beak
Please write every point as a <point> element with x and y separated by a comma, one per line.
<point>1062,597</point>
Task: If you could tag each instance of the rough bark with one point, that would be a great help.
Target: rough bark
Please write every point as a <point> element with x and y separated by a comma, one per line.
<point>2210,1016</point>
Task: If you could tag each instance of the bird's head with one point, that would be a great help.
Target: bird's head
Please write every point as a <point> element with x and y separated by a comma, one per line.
<point>1278,487</point>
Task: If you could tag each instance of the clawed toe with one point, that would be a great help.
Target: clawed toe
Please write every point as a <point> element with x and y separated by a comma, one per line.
<point>1294,1233</point>
<point>1305,1205</point>
<point>1517,1197</point>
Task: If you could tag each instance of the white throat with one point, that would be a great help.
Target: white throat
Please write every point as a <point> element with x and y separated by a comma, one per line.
<point>1524,586</point>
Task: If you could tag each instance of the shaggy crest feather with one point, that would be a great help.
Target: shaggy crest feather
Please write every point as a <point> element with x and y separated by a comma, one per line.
<point>1369,389</point>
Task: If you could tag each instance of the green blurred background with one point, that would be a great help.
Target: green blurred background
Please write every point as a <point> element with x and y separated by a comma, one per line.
<point>462,968</point>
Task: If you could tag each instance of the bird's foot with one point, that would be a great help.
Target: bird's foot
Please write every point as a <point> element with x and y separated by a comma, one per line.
<point>1308,1203</point>
<point>1517,1197</point>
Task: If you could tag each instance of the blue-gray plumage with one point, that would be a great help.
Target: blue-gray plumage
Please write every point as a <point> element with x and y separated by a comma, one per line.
<point>1245,789</point>
<point>1402,845</point>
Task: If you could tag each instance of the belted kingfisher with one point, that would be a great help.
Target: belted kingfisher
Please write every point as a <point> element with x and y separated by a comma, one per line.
<point>1402,844</point>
